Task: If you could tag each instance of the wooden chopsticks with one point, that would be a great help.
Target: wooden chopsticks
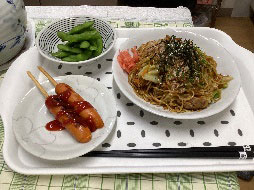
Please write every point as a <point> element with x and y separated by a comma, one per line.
<point>222,152</point>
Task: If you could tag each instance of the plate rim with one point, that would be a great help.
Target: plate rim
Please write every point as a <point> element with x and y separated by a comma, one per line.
<point>18,165</point>
<point>80,153</point>
<point>144,105</point>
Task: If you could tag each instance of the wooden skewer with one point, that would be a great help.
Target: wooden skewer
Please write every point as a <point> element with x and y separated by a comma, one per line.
<point>48,76</point>
<point>43,91</point>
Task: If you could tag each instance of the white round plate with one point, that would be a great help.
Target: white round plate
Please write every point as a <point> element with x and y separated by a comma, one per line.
<point>31,116</point>
<point>225,65</point>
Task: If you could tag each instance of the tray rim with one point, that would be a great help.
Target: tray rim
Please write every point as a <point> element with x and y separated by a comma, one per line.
<point>245,165</point>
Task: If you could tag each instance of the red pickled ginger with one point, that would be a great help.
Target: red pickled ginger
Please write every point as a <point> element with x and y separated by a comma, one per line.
<point>126,61</point>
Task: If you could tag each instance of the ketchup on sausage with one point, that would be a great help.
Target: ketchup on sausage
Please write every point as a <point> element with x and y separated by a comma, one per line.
<point>67,118</point>
<point>54,125</point>
<point>80,106</point>
<point>55,100</point>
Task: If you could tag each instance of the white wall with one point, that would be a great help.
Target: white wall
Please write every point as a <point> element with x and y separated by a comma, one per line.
<point>228,3</point>
<point>252,5</point>
<point>241,8</point>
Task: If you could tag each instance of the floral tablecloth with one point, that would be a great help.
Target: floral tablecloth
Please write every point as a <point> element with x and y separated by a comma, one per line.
<point>147,17</point>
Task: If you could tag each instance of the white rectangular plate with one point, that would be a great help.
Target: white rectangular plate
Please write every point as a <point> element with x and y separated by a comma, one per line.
<point>16,84</point>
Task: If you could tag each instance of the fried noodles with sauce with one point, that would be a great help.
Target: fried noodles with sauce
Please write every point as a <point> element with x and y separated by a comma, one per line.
<point>177,75</point>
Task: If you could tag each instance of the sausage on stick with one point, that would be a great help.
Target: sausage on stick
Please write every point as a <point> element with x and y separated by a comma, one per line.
<point>82,107</point>
<point>80,132</point>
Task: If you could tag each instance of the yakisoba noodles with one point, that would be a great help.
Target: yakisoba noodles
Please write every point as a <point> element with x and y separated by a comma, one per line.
<point>174,73</point>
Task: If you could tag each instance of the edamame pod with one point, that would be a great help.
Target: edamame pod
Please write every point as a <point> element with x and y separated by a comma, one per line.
<point>93,45</point>
<point>93,48</point>
<point>77,45</point>
<point>79,57</point>
<point>91,29</point>
<point>84,44</point>
<point>71,58</point>
<point>62,36</point>
<point>81,27</point>
<point>61,54</point>
<point>69,49</point>
<point>71,44</point>
<point>84,56</point>
<point>99,44</point>
<point>87,35</point>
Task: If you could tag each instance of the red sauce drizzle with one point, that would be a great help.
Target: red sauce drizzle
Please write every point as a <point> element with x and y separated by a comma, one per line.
<point>79,106</point>
<point>67,119</point>
<point>65,95</point>
<point>54,100</point>
<point>91,124</point>
<point>70,111</point>
<point>85,122</point>
<point>54,126</point>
